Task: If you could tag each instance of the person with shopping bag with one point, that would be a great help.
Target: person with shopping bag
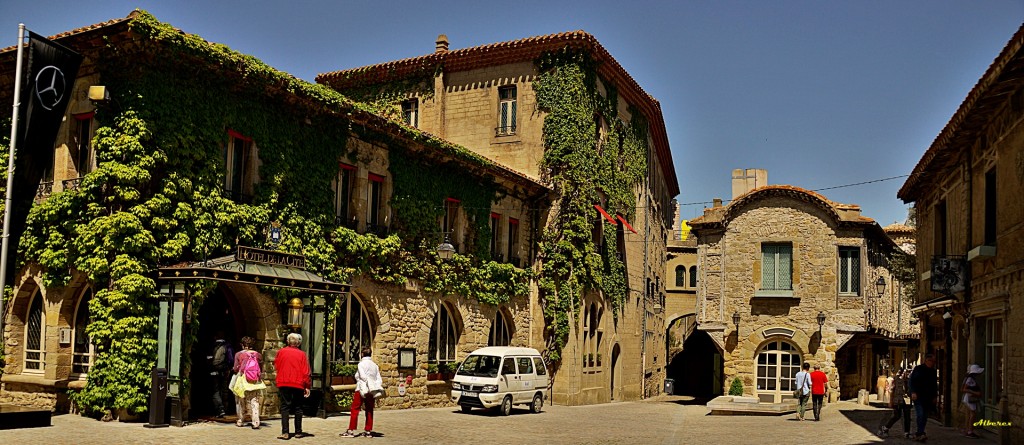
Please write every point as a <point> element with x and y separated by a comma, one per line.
<point>369,387</point>
<point>248,383</point>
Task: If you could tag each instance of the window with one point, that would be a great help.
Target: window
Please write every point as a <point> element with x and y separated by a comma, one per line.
<point>495,236</point>
<point>508,366</point>
<point>525,365</point>
<point>449,222</point>
<point>777,365</point>
<point>849,270</point>
<point>940,228</point>
<point>411,112</point>
<point>83,353</point>
<point>513,242</point>
<point>507,110</point>
<point>374,191</point>
<point>352,330</point>
<point>499,335</point>
<point>35,330</point>
<point>776,267</point>
<point>238,158</point>
<point>538,363</point>
<point>343,195</point>
<point>83,155</point>
<point>680,276</point>
<point>693,277</point>
<point>443,337</point>
<point>992,379</point>
<point>990,207</point>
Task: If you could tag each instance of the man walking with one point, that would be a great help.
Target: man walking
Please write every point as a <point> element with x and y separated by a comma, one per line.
<point>803,389</point>
<point>818,381</point>
<point>293,384</point>
<point>924,391</point>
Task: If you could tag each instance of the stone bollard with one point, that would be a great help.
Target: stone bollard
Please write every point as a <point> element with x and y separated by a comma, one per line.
<point>862,397</point>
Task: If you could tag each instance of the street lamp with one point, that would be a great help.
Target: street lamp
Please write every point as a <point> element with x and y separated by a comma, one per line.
<point>736,321</point>
<point>880,285</point>
<point>295,313</point>
<point>446,250</point>
<point>821,321</point>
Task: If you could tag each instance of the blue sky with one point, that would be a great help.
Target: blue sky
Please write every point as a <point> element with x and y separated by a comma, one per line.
<point>819,93</point>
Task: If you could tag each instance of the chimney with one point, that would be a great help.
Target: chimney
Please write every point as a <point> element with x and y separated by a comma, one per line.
<point>441,45</point>
<point>717,202</point>
<point>745,180</point>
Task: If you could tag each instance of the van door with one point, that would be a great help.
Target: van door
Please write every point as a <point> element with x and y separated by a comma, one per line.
<point>526,379</point>
<point>509,378</point>
<point>541,381</point>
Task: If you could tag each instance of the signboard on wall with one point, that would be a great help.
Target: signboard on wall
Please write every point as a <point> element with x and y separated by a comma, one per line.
<point>949,274</point>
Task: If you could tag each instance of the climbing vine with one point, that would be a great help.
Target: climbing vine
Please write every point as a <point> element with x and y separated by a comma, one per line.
<point>592,157</point>
<point>156,197</point>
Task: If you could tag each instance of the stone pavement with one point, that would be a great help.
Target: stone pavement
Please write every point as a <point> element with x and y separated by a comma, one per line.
<point>663,420</point>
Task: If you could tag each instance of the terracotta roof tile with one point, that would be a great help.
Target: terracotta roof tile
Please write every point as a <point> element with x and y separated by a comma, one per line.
<point>81,30</point>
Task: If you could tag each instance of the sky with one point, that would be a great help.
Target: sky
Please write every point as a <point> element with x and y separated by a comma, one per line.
<point>822,94</point>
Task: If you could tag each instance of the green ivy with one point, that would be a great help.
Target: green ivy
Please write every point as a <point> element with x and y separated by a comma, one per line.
<point>155,198</point>
<point>583,168</point>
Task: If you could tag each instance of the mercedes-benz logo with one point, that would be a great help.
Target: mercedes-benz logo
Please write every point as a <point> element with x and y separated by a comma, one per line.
<point>50,87</point>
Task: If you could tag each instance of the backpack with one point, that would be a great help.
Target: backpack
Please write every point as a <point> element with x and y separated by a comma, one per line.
<point>220,356</point>
<point>251,368</point>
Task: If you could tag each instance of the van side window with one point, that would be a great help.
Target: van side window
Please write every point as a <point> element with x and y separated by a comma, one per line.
<point>525,365</point>
<point>540,366</point>
<point>508,366</point>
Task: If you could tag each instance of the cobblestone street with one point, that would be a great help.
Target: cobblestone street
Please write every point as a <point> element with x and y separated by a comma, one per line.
<point>657,421</point>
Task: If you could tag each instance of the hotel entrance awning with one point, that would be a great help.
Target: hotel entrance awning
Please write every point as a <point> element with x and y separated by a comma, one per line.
<point>254,266</point>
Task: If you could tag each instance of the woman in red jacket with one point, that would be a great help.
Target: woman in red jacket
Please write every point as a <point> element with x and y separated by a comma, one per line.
<point>293,384</point>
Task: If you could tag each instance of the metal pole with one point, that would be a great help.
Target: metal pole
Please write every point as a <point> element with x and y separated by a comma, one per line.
<point>10,176</point>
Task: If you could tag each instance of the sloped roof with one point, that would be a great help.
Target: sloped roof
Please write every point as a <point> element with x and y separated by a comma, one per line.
<point>1004,76</point>
<point>716,216</point>
<point>523,50</point>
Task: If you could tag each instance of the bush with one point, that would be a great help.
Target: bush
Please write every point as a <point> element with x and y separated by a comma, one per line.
<point>342,369</point>
<point>431,368</point>
<point>736,389</point>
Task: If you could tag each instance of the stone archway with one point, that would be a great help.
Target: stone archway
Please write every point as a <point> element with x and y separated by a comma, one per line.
<point>697,368</point>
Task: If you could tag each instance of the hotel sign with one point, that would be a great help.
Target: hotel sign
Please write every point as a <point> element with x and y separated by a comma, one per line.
<point>253,255</point>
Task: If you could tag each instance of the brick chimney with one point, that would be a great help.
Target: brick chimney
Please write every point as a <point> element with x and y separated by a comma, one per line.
<point>441,45</point>
<point>745,180</point>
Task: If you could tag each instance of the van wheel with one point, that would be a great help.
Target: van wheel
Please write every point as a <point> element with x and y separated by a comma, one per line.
<point>506,406</point>
<point>466,408</point>
<point>538,403</point>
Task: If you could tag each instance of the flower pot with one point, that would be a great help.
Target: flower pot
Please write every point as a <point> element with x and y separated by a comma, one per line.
<point>435,376</point>
<point>343,380</point>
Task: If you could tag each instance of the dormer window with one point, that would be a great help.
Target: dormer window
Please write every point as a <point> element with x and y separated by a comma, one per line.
<point>240,161</point>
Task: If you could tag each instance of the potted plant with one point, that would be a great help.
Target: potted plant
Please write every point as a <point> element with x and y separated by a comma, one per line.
<point>433,372</point>
<point>450,369</point>
<point>736,389</point>
<point>590,359</point>
<point>598,359</point>
<point>343,400</point>
<point>343,374</point>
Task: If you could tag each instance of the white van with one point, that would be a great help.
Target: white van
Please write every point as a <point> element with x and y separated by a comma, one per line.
<point>501,376</point>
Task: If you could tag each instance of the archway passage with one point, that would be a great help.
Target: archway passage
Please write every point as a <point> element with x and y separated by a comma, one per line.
<point>220,315</point>
<point>616,369</point>
<point>697,369</point>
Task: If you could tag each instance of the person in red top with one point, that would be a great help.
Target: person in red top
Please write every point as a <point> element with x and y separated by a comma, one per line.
<point>293,384</point>
<point>818,381</point>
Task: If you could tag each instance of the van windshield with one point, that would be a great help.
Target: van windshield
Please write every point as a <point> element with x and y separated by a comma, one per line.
<point>480,366</point>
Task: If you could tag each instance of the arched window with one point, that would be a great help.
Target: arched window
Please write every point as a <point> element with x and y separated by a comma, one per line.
<point>35,330</point>
<point>693,276</point>
<point>680,276</point>
<point>777,365</point>
<point>351,330</point>
<point>82,355</point>
<point>443,337</point>
<point>499,335</point>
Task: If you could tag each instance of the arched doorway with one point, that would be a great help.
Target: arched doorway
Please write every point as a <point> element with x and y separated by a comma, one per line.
<point>698,369</point>
<point>778,361</point>
<point>221,315</point>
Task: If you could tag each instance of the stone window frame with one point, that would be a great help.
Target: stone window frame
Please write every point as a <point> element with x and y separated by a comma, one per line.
<point>345,313</point>
<point>451,333</point>
<point>501,329</point>
<point>89,357</point>
<point>681,275</point>
<point>411,112</point>
<point>853,284</point>
<point>37,296</point>
<point>761,291</point>
<point>508,115</point>
<point>343,195</point>
<point>85,130</point>
<point>785,385</point>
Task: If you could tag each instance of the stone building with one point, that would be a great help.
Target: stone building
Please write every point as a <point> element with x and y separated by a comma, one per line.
<point>680,317</point>
<point>492,99</point>
<point>786,276</point>
<point>966,191</point>
<point>329,197</point>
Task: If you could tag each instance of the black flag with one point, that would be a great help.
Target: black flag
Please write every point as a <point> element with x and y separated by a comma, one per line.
<point>45,94</point>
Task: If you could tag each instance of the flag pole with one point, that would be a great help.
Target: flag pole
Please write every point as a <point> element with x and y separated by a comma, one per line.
<point>5,245</point>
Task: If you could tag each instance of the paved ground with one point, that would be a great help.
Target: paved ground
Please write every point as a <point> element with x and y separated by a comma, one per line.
<point>657,421</point>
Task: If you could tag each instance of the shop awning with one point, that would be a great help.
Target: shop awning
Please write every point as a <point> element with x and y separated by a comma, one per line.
<point>254,266</point>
